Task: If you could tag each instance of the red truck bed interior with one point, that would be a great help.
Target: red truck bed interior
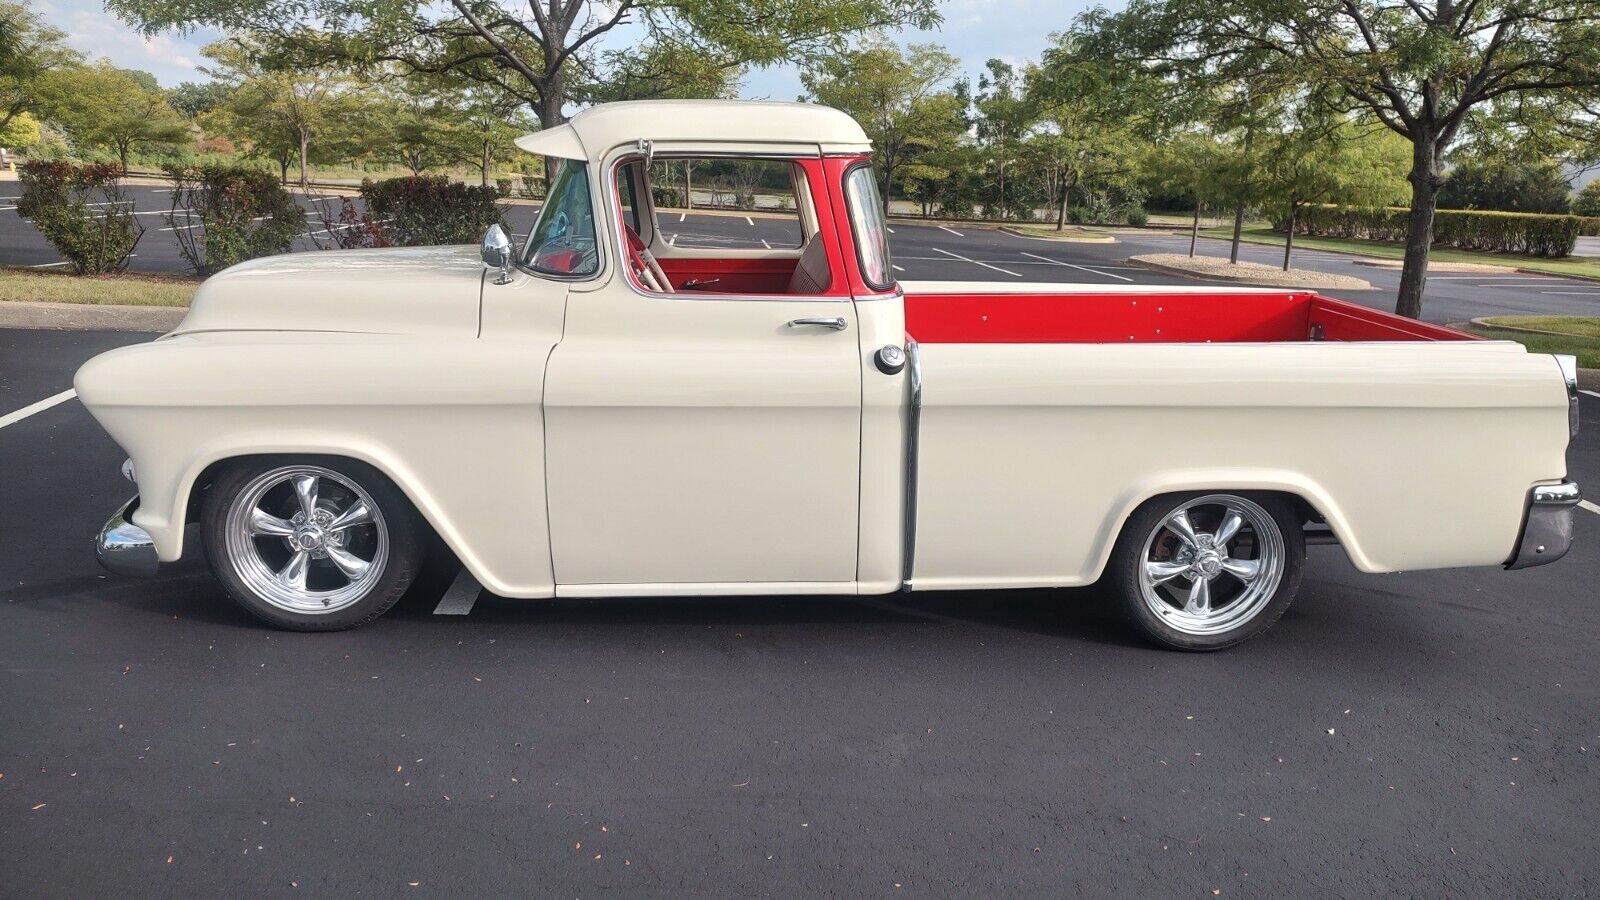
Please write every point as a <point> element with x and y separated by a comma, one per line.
<point>1155,317</point>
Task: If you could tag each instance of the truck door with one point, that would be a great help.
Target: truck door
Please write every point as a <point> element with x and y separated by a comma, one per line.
<point>697,437</point>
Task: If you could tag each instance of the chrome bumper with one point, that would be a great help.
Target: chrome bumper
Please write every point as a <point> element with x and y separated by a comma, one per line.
<point>124,548</point>
<point>1547,528</point>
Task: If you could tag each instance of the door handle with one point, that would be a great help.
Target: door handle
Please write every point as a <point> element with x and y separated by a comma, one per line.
<point>836,323</point>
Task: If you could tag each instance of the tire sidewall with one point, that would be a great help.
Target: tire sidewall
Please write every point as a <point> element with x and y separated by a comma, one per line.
<point>405,542</point>
<point>1127,566</point>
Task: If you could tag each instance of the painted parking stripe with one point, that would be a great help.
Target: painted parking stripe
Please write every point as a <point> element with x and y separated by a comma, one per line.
<point>1589,506</point>
<point>898,268</point>
<point>974,261</point>
<point>1072,266</point>
<point>682,216</point>
<point>41,406</point>
<point>1572,293</point>
<point>890,230</point>
<point>765,244</point>
<point>1591,393</point>
<point>463,593</point>
<point>952,231</point>
<point>751,221</point>
<point>49,265</point>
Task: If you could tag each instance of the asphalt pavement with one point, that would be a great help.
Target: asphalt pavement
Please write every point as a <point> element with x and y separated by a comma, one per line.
<point>1431,734</point>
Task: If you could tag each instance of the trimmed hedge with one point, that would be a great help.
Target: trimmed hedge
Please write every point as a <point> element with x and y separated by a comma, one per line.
<point>1589,226</point>
<point>421,211</point>
<point>1528,234</point>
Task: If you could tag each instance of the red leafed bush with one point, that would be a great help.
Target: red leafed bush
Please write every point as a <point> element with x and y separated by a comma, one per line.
<point>83,211</point>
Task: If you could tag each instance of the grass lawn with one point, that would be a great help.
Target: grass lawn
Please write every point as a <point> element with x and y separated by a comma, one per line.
<point>123,290</point>
<point>1069,233</point>
<point>1581,337</point>
<point>1580,266</point>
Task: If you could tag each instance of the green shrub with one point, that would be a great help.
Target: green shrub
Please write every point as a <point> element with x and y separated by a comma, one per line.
<point>667,196</point>
<point>1589,226</point>
<point>222,215</point>
<point>1587,203</point>
<point>502,186</point>
<point>1529,234</point>
<point>1137,217</point>
<point>415,211</point>
<point>83,211</point>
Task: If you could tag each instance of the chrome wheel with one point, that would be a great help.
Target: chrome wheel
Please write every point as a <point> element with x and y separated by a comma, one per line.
<point>1211,564</point>
<point>306,539</point>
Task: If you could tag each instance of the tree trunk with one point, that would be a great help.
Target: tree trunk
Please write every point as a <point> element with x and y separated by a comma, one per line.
<point>305,143</point>
<point>688,184</point>
<point>1238,231</point>
<point>549,112</point>
<point>122,154</point>
<point>485,162</point>
<point>1288,240</point>
<point>1425,184</point>
<point>1061,211</point>
<point>283,168</point>
<point>1194,229</point>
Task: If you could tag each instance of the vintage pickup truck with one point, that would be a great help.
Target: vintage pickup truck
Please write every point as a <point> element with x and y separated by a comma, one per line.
<point>608,411</point>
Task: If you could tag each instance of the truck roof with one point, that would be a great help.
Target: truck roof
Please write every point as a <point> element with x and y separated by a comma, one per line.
<point>594,132</point>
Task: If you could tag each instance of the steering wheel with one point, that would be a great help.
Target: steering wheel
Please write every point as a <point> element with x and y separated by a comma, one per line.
<point>645,267</point>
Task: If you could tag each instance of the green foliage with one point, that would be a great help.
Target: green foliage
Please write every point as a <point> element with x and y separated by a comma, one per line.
<point>421,211</point>
<point>1506,185</point>
<point>222,215</point>
<point>192,99</point>
<point>102,107</point>
<point>29,50</point>
<point>83,211</point>
<point>902,98</point>
<point>21,133</point>
<point>1587,203</point>
<point>1529,234</point>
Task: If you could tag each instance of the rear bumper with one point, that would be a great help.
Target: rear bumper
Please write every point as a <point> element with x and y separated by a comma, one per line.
<point>1547,527</point>
<point>124,548</point>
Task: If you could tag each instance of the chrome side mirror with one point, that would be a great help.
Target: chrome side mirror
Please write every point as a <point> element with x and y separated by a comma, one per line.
<point>496,252</point>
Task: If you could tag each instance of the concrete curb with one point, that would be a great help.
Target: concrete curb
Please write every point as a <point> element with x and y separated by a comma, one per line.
<point>1076,239</point>
<point>1235,279</point>
<point>89,317</point>
<point>1482,322</point>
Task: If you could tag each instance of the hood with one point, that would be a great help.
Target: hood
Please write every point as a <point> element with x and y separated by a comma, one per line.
<point>398,290</point>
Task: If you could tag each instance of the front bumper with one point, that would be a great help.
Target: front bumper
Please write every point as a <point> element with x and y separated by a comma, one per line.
<point>124,548</point>
<point>1547,528</point>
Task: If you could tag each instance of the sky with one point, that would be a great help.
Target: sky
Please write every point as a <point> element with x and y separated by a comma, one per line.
<point>974,30</point>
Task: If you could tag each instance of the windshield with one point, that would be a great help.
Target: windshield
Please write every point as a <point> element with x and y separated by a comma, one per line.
<point>866,220</point>
<point>563,242</point>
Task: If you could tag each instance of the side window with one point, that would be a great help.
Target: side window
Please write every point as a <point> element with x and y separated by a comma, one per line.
<point>727,204</point>
<point>563,240</point>
<point>630,209</point>
<point>866,222</point>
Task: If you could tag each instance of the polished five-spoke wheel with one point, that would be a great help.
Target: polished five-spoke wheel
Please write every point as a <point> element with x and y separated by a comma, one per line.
<point>1207,571</point>
<point>310,545</point>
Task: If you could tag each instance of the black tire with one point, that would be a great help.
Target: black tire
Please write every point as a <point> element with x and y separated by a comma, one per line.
<point>1125,572</point>
<point>405,552</point>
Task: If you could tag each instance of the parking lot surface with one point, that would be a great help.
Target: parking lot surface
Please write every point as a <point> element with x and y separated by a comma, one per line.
<point>1427,734</point>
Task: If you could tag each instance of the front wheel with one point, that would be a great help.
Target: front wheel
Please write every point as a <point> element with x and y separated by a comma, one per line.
<point>1207,571</point>
<point>312,544</point>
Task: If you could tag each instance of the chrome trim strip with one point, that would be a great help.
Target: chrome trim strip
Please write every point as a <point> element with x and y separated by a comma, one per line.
<point>1547,527</point>
<point>908,550</point>
<point>1569,372</point>
<point>124,548</point>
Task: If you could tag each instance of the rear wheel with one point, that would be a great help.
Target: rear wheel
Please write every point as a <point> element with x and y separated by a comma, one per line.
<point>310,544</point>
<point>1207,571</point>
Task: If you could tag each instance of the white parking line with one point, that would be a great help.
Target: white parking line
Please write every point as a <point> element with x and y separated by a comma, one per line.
<point>682,216</point>
<point>751,221</point>
<point>765,244</point>
<point>974,261</point>
<point>1573,293</point>
<point>672,240</point>
<point>1589,506</point>
<point>1072,266</point>
<point>952,231</point>
<point>898,268</point>
<point>1590,393</point>
<point>886,228</point>
<point>41,406</point>
<point>49,265</point>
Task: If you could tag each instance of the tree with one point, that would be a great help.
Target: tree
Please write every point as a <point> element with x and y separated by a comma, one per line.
<point>279,112</point>
<point>1189,165</point>
<point>1003,116</point>
<point>1509,185</point>
<point>104,107</point>
<point>1587,203</point>
<point>20,133</point>
<point>1421,68</point>
<point>547,53</point>
<point>29,50</point>
<point>194,99</point>
<point>901,98</point>
<point>1328,158</point>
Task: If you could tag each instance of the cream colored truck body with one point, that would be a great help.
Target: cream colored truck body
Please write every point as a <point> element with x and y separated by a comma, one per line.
<point>581,437</point>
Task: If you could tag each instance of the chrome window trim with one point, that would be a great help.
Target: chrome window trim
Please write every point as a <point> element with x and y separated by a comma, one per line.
<point>855,239</point>
<point>908,549</point>
<point>1568,364</point>
<point>609,189</point>
<point>599,245</point>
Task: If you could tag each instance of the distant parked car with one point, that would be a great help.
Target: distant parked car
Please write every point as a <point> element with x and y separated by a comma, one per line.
<point>604,413</point>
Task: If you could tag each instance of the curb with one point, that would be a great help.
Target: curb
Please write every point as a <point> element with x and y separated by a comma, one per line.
<point>1344,252</point>
<point>89,317</point>
<point>1086,239</point>
<point>1235,279</point>
<point>1482,322</point>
